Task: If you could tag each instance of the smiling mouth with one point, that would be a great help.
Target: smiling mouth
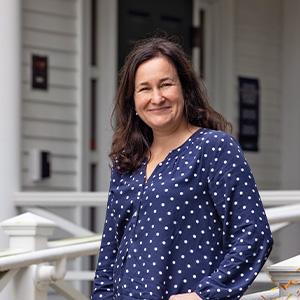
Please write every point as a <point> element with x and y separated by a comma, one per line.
<point>160,109</point>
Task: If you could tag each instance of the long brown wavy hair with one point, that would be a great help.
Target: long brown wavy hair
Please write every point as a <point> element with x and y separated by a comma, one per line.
<point>132,137</point>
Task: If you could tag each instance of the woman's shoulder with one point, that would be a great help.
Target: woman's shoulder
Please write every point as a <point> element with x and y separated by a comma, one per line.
<point>216,137</point>
<point>216,143</point>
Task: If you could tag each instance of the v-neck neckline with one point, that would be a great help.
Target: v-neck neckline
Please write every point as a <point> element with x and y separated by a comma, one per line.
<point>176,149</point>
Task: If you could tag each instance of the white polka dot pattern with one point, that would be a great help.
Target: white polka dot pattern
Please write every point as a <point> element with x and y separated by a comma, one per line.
<point>196,225</point>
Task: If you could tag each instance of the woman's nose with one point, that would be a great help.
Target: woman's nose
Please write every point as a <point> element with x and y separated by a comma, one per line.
<point>157,96</point>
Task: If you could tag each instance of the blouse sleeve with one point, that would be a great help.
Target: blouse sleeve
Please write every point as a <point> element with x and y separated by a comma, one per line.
<point>103,281</point>
<point>247,239</point>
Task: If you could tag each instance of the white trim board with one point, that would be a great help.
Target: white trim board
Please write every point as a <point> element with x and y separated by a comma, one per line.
<point>219,58</point>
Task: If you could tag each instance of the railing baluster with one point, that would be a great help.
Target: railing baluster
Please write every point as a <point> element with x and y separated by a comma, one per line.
<point>68,291</point>
<point>5,277</point>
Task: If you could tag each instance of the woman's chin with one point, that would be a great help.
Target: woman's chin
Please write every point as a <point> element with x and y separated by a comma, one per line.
<point>161,126</point>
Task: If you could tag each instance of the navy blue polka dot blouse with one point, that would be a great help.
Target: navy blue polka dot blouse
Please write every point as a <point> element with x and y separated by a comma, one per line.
<point>196,225</point>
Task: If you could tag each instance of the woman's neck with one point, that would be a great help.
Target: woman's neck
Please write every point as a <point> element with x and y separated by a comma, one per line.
<point>165,141</point>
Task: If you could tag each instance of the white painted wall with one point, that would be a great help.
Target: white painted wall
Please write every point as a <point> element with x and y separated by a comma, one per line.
<point>258,54</point>
<point>50,118</point>
<point>290,143</point>
<point>286,245</point>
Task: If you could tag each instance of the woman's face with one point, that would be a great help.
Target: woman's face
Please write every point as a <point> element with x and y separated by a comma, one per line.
<point>158,95</point>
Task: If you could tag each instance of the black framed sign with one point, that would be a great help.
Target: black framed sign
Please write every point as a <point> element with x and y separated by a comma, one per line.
<point>39,72</point>
<point>249,96</point>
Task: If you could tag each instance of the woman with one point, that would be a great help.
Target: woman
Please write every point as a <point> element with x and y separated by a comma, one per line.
<point>184,217</point>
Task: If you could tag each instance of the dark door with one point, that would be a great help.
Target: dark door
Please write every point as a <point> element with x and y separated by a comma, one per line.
<point>145,18</point>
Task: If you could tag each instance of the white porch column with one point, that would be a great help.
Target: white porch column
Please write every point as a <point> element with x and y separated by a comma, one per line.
<point>10,99</point>
<point>30,232</point>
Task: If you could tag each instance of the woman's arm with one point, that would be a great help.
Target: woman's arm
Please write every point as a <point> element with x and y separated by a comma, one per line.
<point>247,239</point>
<point>103,281</point>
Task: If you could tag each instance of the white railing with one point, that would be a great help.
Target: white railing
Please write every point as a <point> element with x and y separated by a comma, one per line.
<point>46,261</point>
<point>62,199</point>
<point>33,264</point>
<point>282,206</point>
<point>274,201</point>
<point>39,204</point>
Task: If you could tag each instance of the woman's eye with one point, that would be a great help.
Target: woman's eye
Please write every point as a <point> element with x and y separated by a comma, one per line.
<point>143,89</point>
<point>166,84</point>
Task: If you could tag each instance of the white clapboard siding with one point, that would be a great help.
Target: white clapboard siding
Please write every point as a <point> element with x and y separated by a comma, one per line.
<point>55,182</point>
<point>58,164</point>
<point>269,126</point>
<point>56,147</point>
<point>59,60</point>
<point>54,95</point>
<point>269,143</point>
<point>61,78</point>
<point>270,158</point>
<point>253,49</point>
<point>266,147</point>
<point>49,23</point>
<point>258,55</point>
<point>65,8</point>
<point>56,130</point>
<point>265,11</point>
<point>271,99</point>
<point>46,40</point>
<point>268,80</point>
<point>50,118</point>
<point>265,34</point>
<point>268,110</point>
<point>44,111</point>
<point>268,174</point>
<point>267,66</point>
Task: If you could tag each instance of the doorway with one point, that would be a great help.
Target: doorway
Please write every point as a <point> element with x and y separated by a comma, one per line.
<point>143,18</point>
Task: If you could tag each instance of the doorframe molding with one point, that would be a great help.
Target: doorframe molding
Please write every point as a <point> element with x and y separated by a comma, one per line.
<point>106,74</point>
<point>83,94</point>
<point>220,54</point>
<point>226,96</point>
<point>108,79</point>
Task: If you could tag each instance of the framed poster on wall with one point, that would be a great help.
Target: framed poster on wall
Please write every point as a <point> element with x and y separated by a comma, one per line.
<point>249,96</point>
<point>39,72</point>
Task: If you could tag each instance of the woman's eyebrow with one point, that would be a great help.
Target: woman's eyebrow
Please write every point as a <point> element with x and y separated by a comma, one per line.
<point>167,78</point>
<point>143,83</point>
